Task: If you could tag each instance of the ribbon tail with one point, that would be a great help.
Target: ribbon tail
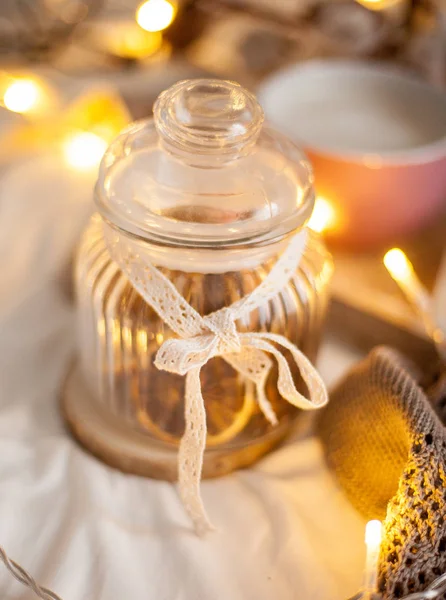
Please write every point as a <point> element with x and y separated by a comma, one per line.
<point>287,389</point>
<point>255,365</point>
<point>265,404</point>
<point>315,385</point>
<point>190,455</point>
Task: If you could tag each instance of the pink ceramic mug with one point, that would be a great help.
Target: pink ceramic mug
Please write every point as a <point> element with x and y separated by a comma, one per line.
<point>376,137</point>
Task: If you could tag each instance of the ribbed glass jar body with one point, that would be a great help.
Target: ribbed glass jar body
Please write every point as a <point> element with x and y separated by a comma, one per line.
<point>119,335</point>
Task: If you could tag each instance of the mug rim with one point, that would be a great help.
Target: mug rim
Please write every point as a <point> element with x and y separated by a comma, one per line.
<point>416,155</point>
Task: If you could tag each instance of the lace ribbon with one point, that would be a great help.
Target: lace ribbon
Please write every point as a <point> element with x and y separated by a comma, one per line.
<point>202,338</point>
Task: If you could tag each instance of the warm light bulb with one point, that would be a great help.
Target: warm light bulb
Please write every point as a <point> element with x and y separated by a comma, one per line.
<point>398,265</point>
<point>373,533</point>
<point>373,536</point>
<point>156,15</point>
<point>323,217</point>
<point>84,151</point>
<point>21,96</point>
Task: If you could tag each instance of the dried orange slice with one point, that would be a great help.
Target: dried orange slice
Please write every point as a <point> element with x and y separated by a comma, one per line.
<point>229,402</point>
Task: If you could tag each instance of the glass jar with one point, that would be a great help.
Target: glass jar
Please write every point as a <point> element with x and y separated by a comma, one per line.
<point>213,196</point>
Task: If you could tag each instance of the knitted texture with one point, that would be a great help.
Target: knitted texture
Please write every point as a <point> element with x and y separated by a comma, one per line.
<point>387,447</point>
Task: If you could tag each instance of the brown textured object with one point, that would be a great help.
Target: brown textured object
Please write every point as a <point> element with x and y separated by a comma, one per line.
<point>387,447</point>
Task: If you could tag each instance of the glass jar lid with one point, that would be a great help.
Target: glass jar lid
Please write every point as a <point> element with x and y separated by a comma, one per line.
<point>205,170</point>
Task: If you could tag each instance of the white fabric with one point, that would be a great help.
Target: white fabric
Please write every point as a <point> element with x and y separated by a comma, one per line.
<point>91,533</point>
<point>201,338</point>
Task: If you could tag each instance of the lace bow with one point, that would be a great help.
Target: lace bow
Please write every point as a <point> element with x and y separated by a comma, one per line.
<point>202,338</point>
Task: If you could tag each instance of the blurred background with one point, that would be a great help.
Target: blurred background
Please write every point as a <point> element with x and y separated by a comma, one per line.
<point>246,39</point>
<point>132,44</point>
<point>75,72</point>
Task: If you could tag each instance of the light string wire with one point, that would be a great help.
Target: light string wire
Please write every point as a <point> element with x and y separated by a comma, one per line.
<point>25,578</point>
<point>435,590</point>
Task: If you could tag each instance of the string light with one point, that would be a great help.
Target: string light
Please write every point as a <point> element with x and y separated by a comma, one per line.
<point>373,536</point>
<point>83,151</point>
<point>402,271</point>
<point>156,15</point>
<point>21,96</point>
<point>398,265</point>
<point>324,216</point>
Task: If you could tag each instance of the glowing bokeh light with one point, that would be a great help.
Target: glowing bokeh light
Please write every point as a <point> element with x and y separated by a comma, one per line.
<point>21,95</point>
<point>155,15</point>
<point>84,151</point>
<point>129,40</point>
<point>324,216</point>
<point>373,533</point>
<point>398,265</point>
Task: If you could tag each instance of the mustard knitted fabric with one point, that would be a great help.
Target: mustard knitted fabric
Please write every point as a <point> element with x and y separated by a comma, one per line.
<point>387,446</point>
